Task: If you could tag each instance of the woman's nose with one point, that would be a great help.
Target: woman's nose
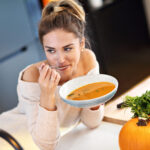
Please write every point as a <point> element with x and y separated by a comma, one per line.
<point>61,58</point>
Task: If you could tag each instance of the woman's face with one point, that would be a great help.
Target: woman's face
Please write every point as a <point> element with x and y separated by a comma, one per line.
<point>63,51</point>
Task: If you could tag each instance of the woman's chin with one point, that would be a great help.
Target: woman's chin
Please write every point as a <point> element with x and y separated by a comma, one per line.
<point>65,77</point>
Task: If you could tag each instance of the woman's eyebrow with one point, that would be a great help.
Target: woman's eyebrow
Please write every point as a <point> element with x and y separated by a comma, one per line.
<point>49,47</point>
<point>63,46</point>
<point>68,45</point>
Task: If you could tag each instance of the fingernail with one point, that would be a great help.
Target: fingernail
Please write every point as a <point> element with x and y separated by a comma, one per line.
<point>42,65</point>
<point>47,67</point>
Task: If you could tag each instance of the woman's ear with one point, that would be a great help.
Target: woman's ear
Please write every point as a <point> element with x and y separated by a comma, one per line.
<point>82,44</point>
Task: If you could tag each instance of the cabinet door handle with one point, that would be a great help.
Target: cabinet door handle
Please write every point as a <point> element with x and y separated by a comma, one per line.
<point>23,49</point>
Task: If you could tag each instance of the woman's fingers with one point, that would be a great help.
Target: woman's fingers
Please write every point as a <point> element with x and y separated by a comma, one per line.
<point>48,75</point>
<point>41,66</point>
<point>53,76</point>
<point>43,72</point>
<point>57,79</point>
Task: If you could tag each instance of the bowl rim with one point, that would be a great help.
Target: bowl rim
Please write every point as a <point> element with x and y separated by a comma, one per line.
<point>94,99</point>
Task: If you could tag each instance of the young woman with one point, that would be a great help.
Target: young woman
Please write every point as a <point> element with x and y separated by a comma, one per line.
<point>61,32</point>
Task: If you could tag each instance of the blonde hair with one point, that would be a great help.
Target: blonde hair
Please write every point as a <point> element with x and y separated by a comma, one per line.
<point>66,14</point>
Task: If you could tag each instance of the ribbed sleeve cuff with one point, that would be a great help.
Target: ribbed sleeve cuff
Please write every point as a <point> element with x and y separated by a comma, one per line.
<point>92,118</point>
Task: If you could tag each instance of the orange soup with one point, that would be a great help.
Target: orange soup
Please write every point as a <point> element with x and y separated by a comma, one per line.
<point>91,91</point>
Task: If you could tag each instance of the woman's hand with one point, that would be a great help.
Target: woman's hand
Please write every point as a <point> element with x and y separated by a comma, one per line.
<point>96,107</point>
<point>48,81</point>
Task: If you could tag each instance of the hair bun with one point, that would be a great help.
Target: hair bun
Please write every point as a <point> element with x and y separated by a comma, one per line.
<point>48,11</point>
<point>58,8</point>
<point>70,6</point>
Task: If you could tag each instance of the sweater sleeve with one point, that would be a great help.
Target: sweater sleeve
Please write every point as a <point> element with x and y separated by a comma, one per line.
<point>43,125</point>
<point>92,118</point>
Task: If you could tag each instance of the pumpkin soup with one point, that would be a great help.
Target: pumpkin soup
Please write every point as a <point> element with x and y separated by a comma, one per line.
<point>91,91</point>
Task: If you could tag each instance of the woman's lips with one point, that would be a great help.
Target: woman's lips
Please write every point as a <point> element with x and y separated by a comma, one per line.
<point>62,68</point>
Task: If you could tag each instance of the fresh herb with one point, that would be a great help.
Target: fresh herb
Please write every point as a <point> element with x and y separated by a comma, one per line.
<point>97,90</point>
<point>70,94</point>
<point>140,105</point>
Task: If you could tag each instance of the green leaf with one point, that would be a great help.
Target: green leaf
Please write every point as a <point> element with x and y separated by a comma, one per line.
<point>140,105</point>
<point>70,94</point>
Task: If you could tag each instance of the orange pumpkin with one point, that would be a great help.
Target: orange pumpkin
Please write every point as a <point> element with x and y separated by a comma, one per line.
<point>134,137</point>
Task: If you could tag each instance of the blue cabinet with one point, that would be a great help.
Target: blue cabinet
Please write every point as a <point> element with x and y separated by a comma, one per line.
<point>9,75</point>
<point>18,29</point>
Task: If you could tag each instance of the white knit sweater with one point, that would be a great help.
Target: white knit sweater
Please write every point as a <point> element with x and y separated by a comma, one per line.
<point>46,127</point>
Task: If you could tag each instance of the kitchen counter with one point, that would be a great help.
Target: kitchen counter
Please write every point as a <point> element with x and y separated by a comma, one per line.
<point>80,138</point>
<point>121,116</point>
<point>105,137</point>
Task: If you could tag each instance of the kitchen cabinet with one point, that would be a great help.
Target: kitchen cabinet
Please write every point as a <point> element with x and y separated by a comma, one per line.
<point>19,45</point>
<point>9,74</point>
<point>15,28</point>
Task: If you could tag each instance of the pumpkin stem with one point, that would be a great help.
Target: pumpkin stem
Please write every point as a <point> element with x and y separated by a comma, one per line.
<point>142,122</point>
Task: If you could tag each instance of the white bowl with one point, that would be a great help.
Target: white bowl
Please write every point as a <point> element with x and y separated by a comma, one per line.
<point>75,83</point>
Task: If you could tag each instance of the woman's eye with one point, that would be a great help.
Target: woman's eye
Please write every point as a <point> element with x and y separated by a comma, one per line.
<point>51,51</point>
<point>67,49</point>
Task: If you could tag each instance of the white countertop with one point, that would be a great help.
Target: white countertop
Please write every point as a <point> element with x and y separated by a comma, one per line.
<point>105,137</point>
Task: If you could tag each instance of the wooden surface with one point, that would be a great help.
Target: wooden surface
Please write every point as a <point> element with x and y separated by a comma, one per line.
<point>121,116</point>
